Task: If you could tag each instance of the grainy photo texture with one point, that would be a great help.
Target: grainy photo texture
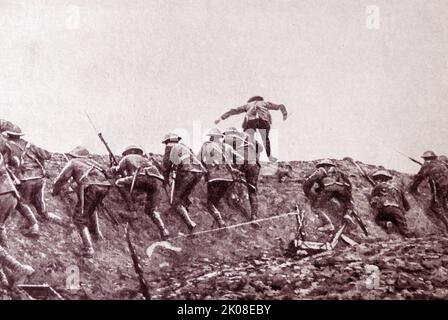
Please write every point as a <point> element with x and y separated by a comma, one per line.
<point>223,150</point>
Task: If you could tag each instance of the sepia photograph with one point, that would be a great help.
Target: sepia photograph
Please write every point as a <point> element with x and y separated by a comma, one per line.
<point>246,151</point>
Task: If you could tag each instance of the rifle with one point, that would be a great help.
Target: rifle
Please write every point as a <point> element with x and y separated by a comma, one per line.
<point>144,289</point>
<point>113,161</point>
<point>359,221</point>
<point>363,173</point>
<point>412,159</point>
<point>173,184</point>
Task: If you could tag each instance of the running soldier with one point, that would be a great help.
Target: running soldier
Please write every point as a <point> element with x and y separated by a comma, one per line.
<point>8,203</point>
<point>28,164</point>
<point>140,174</point>
<point>180,162</point>
<point>389,202</point>
<point>331,183</point>
<point>257,117</point>
<point>250,153</point>
<point>92,186</point>
<point>216,157</point>
<point>437,174</point>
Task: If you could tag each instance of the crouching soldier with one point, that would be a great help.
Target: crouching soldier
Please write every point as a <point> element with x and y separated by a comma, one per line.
<point>216,157</point>
<point>92,185</point>
<point>186,170</point>
<point>140,174</point>
<point>389,202</point>
<point>28,164</point>
<point>436,172</point>
<point>8,203</point>
<point>249,153</point>
<point>332,183</point>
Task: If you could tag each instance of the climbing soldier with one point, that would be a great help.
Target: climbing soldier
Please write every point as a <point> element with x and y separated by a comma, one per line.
<point>32,228</point>
<point>140,174</point>
<point>437,174</point>
<point>92,185</point>
<point>8,203</point>
<point>250,154</point>
<point>180,162</point>
<point>217,156</point>
<point>389,202</point>
<point>28,165</point>
<point>257,117</point>
<point>331,183</point>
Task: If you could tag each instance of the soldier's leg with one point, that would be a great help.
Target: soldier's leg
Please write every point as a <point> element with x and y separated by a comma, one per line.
<point>8,203</point>
<point>264,129</point>
<point>324,197</point>
<point>32,229</point>
<point>18,270</point>
<point>252,172</point>
<point>152,203</point>
<point>398,218</point>
<point>80,219</point>
<point>437,208</point>
<point>96,195</point>
<point>215,192</point>
<point>38,201</point>
<point>185,183</point>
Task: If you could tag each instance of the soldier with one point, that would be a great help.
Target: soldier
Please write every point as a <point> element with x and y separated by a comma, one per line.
<point>444,159</point>
<point>92,185</point>
<point>8,203</point>
<point>138,172</point>
<point>332,183</point>
<point>257,117</point>
<point>216,157</point>
<point>27,162</point>
<point>390,203</point>
<point>250,154</point>
<point>437,173</point>
<point>187,171</point>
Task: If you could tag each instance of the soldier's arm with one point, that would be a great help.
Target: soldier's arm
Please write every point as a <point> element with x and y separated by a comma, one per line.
<point>310,181</point>
<point>281,107</point>
<point>62,178</point>
<point>419,177</point>
<point>233,112</point>
<point>40,153</point>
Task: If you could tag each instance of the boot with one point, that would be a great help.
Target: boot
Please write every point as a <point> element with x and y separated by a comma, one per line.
<point>3,238</point>
<point>27,213</point>
<point>159,223</point>
<point>95,226</point>
<point>32,231</point>
<point>18,271</point>
<point>186,218</point>
<point>87,241</point>
<point>217,216</point>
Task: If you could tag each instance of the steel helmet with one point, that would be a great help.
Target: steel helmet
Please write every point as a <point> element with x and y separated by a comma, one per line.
<point>79,152</point>
<point>214,132</point>
<point>132,148</point>
<point>429,155</point>
<point>382,173</point>
<point>443,158</point>
<point>325,162</point>
<point>171,137</point>
<point>14,131</point>
<point>255,98</point>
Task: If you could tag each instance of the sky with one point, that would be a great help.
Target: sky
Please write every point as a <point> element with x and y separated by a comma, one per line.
<point>144,68</point>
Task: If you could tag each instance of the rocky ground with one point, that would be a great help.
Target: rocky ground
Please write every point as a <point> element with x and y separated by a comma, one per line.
<point>244,262</point>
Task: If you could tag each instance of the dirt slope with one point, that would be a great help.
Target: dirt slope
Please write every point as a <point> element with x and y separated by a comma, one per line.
<point>244,262</point>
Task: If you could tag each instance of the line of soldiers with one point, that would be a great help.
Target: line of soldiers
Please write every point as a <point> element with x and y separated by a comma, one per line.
<point>387,198</point>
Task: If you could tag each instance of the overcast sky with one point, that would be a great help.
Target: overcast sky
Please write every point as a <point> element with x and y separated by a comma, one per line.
<point>144,68</point>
